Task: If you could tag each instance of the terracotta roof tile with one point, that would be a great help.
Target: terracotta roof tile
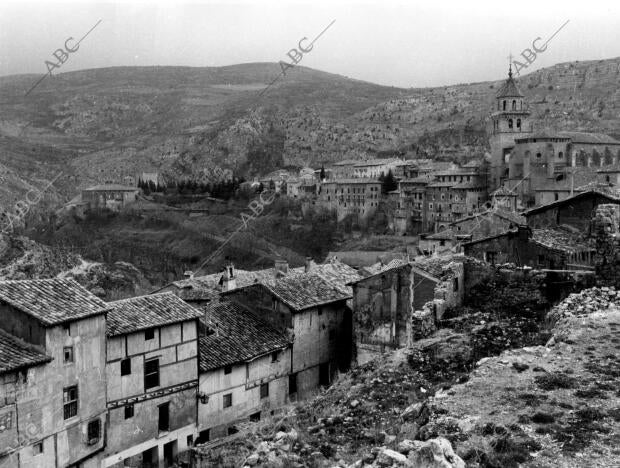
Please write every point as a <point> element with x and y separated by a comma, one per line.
<point>143,312</point>
<point>17,354</point>
<point>51,301</point>
<point>240,337</point>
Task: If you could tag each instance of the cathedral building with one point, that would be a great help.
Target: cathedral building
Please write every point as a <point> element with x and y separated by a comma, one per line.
<point>526,162</point>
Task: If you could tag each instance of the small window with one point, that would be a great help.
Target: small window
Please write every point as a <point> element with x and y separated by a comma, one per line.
<point>190,440</point>
<point>204,436</point>
<point>126,366</point>
<point>67,328</point>
<point>227,370</point>
<point>274,356</point>
<point>320,309</point>
<point>70,401</point>
<point>456,284</point>
<point>94,431</point>
<point>164,417</point>
<point>228,400</point>
<point>37,449</point>
<point>151,374</point>
<point>149,334</point>
<point>128,411</point>
<point>292,384</point>
<point>68,353</point>
<point>264,390</point>
<point>538,155</point>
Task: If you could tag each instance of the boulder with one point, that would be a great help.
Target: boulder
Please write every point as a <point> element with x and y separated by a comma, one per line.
<point>389,457</point>
<point>435,453</point>
<point>417,412</point>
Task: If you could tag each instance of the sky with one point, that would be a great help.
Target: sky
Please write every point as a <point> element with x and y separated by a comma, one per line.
<point>395,43</point>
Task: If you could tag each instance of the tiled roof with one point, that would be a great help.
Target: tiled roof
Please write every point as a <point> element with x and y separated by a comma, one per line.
<point>446,234</point>
<point>111,187</point>
<point>206,287</point>
<point>611,197</point>
<point>139,313</point>
<point>17,354</point>
<point>433,265</point>
<point>240,336</point>
<point>303,291</point>
<point>509,89</point>
<point>51,301</point>
<point>583,137</point>
<point>359,180</point>
<point>376,162</point>
<point>336,273</point>
<point>560,239</point>
<point>362,258</point>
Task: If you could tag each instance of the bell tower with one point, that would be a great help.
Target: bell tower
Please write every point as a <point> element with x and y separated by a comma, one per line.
<point>510,119</point>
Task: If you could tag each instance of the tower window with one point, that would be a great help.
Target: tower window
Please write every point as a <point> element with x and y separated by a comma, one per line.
<point>519,123</point>
<point>514,105</point>
<point>504,105</point>
<point>538,155</point>
<point>560,155</point>
<point>509,123</point>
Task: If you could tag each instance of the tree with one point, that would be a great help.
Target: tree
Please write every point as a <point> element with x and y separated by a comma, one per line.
<point>388,183</point>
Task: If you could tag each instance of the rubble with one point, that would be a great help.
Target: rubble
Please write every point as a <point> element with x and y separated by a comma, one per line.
<point>585,302</point>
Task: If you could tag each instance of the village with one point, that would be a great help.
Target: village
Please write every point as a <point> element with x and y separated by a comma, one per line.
<point>158,379</point>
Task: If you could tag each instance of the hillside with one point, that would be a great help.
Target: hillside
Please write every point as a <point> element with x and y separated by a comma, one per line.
<point>103,124</point>
<point>545,406</point>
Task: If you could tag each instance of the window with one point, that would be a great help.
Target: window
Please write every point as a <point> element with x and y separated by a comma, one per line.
<point>164,417</point>
<point>504,105</point>
<point>538,155</point>
<point>556,196</point>
<point>94,431</point>
<point>518,123</point>
<point>456,284</point>
<point>228,400</point>
<point>264,390</point>
<point>126,366</point>
<point>541,259</point>
<point>514,105</point>
<point>227,369</point>
<point>149,334</point>
<point>292,384</point>
<point>68,353</point>
<point>70,401</point>
<point>274,356</point>
<point>490,257</point>
<point>255,417</point>
<point>128,411</point>
<point>320,309</point>
<point>67,328</point>
<point>509,123</point>
<point>151,374</point>
<point>324,374</point>
<point>190,440</point>
<point>37,449</point>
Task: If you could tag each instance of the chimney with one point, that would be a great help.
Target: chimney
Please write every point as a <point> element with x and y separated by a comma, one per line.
<point>281,266</point>
<point>309,263</point>
<point>229,280</point>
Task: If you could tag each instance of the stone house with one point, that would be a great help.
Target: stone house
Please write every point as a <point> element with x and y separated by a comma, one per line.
<point>383,305</point>
<point>52,370</point>
<point>558,248</point>
<point>110,196</point>
<point>244,370</point>
<point>358,198</point>
<point>314,311</point>
<point>152,380</point>
<point>575,211</point>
